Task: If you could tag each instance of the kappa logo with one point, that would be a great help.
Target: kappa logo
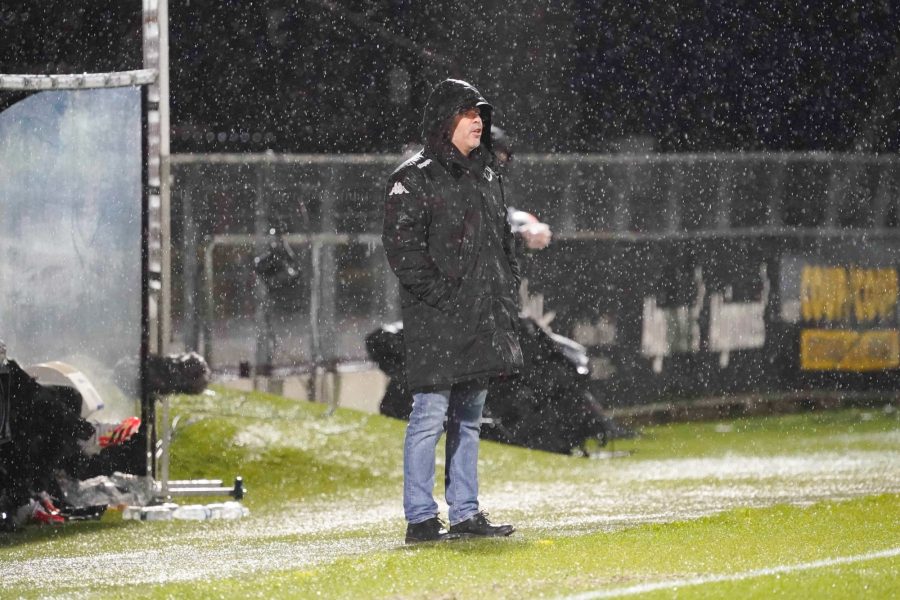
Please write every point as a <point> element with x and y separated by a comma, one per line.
<point>398,189</point>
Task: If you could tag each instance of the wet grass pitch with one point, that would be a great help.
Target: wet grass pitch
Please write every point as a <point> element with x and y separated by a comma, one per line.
<point>796,505</point>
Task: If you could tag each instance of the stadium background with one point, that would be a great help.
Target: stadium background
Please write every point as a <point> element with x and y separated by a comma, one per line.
<point>327,76</point>
<point>729,99</point>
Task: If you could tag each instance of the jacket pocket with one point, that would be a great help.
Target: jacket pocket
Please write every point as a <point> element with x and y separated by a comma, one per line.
<point>506,313</point>
<point>505,336</point>
<point>507,346</point>
<point>483,313</point>
<point>495,313</point>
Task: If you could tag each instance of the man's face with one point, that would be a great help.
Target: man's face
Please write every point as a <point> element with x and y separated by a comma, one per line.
<point>467,131</point>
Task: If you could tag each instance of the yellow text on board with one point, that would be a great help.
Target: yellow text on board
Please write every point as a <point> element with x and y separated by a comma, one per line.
<point>848,294</point>
<point>848,350</point>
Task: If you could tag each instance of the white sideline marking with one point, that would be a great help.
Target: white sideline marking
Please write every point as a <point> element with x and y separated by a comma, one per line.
<point>677,583</point>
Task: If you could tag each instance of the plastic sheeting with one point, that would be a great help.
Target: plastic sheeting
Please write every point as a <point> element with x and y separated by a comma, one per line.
<point>70,233</point>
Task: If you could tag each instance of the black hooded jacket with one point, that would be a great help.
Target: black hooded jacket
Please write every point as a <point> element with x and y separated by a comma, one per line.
<point>448,241</point>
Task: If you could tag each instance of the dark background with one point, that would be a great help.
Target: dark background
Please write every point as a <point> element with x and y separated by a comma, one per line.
<point>329,76</point>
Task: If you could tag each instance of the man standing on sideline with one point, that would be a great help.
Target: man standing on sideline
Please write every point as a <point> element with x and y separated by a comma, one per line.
<point>448,241</point>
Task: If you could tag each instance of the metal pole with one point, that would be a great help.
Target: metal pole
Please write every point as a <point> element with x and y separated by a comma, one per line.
<point>672,217</point>
<point>165,229</point>
<point>151,56</point>
<point>882,200</point>
<point>315,257</point>
<point>148,408</point>
<point>725,195</point>
<point>775,205</point>
<point>210,304</point>
<point>166,444</point>
<point>328,277</point>
<point>260,295</point>
<point>189,278</point>
<point>838,180</point>
<point>314,303</point>
<point>624,188</point>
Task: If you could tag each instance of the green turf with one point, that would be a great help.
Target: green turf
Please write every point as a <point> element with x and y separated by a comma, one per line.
<point>855,429</point>
<point>283,448</point>
<point>295,454</point>
<point>294,449</point>
<point>868,579</point>
<point>539,565</point>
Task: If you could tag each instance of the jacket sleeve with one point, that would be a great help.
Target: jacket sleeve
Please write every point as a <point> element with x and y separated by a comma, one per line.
<point>407,217</point>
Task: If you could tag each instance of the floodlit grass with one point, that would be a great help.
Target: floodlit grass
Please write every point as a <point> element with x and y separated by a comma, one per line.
<point>865,579</point>
<point>873,429</point>
<point>284,449</point>
<point>299,462</point>
<point>288,449</point>
<point>535,565</point>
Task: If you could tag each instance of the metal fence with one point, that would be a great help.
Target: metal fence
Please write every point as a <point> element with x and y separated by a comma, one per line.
<point>689,193</point>
<point>228,209</point>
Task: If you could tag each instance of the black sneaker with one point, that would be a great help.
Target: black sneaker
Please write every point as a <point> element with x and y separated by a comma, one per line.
<point>480,526</point>
<point>431,530</point>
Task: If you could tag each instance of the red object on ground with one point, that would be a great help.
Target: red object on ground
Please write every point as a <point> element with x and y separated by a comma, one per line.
<point>122,432</point>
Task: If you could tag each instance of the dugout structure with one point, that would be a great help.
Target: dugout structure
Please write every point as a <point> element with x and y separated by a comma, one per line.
<point>74,233</point>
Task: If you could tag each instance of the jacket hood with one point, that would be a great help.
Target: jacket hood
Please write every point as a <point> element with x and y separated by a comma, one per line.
<point>447,99</point>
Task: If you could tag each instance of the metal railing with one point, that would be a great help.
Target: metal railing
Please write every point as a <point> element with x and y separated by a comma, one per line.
<point>322,311</point>
<point>233,200</point>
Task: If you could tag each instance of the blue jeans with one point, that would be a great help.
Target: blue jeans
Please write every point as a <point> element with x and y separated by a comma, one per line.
<point>461,405</point>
